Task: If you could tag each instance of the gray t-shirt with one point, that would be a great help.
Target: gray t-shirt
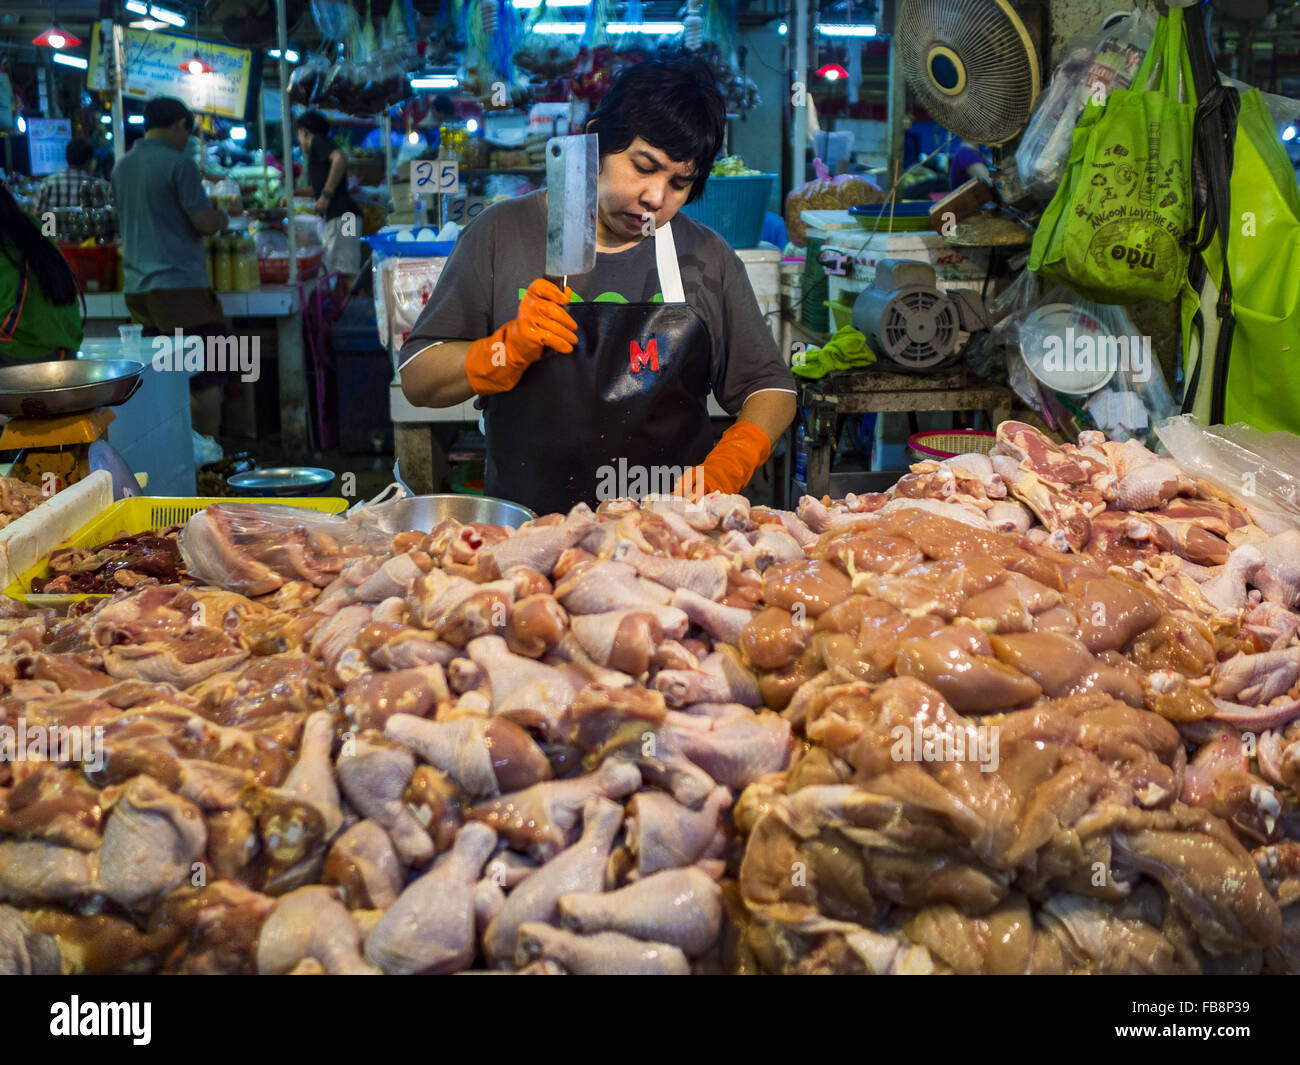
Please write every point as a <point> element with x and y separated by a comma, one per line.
<point>156,189</point>
<point>504,250</point>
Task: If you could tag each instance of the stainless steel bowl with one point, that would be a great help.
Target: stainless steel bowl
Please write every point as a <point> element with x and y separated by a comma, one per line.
<point>283,481</point>
<point>44,389</point>
<point>422,513</point>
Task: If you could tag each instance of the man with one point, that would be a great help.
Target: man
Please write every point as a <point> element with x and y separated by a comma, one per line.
<point>609,377</point>
<point>164,216</point>
<point>444,111</point>
<point>64,188</point>
<point>967,162</point>
<point>327,168</point>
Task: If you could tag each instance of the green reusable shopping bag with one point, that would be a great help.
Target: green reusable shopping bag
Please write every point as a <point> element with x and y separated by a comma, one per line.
<point>1263,379</point>
<point>1115,230</point>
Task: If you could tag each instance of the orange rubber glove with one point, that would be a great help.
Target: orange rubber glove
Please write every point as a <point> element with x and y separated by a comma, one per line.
<point>729,466</point>
<point>495,363</point>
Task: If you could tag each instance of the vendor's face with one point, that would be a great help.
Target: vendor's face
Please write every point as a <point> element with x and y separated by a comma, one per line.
<point>304,140</point>
<point>639,185</point>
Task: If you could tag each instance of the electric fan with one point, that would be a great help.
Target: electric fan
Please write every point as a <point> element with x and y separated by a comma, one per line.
<point>974,65</point>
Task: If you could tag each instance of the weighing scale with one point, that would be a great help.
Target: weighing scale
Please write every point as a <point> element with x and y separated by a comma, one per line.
<point>59,417</point>
<point>55,452</point>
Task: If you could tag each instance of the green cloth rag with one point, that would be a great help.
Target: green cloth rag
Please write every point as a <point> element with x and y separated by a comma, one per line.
<point>846,350</point>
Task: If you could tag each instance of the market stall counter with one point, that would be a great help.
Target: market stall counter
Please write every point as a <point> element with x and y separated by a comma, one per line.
<point>284,304</point>
<point>597,742</point>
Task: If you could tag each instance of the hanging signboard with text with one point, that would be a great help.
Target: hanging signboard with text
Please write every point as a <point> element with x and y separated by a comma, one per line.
<point>47,140</point>
<point>153,68</point>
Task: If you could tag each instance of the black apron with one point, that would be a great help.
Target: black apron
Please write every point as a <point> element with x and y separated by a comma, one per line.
<point>623,413</point>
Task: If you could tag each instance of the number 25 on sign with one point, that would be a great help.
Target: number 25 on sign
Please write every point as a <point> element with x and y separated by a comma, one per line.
<point>440,176</point>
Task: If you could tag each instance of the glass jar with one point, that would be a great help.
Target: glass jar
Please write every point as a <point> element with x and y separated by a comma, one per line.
<point>223,275</point>
<point>248,274</point>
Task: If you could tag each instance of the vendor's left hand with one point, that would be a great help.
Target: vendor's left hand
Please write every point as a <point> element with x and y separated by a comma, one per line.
<point>729,466</point>
<point>322,205</point>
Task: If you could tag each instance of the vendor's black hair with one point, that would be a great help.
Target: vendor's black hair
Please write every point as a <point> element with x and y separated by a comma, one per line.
<point>443,105</point>
<point>22,242</point>
<point>164,111</point>
<point>673,104</point>
<point>78,152</point>
<point>314,123</point>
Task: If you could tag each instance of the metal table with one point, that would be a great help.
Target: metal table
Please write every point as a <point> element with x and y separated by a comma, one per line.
<point>880,391</point>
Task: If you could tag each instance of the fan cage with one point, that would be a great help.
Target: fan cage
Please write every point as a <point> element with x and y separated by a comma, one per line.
<point>905,309</point>
<point>996,52</point>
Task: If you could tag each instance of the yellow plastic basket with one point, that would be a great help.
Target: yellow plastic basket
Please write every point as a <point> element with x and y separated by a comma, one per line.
<point>140,514</point>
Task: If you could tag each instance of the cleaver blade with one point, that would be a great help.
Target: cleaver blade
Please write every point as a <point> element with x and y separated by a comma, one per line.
<point>572,165</point>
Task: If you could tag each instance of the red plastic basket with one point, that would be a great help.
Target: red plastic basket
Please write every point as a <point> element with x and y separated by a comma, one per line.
<point>949,443</point>
<point>275,271</point>
<point>95,267</point>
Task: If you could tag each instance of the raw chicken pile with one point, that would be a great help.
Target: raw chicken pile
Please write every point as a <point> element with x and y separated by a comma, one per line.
<point>1052,702</point>
<point>17,498</point>
<point>878,735</point>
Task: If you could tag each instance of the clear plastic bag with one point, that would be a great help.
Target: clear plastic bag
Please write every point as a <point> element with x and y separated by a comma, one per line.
<point>307,80</point>
<point>254,548</point>
<point>408,284</point>
<point>1260,471</point>
<point>1082,365</point>
<point>335,19</point>
<point>1137,398</point>
<point>1090,70</point>
<point>826,193</point>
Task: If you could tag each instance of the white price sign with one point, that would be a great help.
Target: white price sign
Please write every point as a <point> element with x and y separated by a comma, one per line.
<point>440,176</point>
<point>463,210</point>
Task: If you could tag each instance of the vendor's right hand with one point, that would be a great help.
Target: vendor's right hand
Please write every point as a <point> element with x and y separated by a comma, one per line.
<point>495,363</point>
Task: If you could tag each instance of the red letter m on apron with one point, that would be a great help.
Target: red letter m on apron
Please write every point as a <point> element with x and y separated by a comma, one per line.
<point>641,357</point>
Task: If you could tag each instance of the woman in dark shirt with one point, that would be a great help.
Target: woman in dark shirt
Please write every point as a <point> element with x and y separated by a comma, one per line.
<point>326,167</point>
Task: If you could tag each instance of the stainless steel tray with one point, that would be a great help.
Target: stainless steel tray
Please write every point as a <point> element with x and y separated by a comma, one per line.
<point>283,481</point>
<point>46,389</point>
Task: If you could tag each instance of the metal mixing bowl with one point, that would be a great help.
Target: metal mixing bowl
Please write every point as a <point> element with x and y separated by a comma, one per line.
<point>422,513</point>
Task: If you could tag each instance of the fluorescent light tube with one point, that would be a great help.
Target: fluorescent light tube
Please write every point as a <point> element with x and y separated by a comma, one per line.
<point>650,28</point>
<point>169,17</point>
<point>436,81</point>
<point>834,30</point>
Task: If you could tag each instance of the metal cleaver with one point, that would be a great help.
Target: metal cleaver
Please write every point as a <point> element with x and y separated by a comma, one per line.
<point>572,164</point>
